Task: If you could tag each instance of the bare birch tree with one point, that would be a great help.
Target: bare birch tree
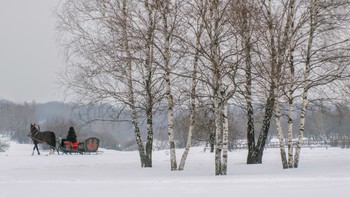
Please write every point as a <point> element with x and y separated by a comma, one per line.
<point>257,38</point>
<point>169,12</point>
<point>131,54</point>
<point>103,47</point>
<point>317,69</point>
<point>324,62</point>
<point>147,69</point>
<point>218,50</point>
<point>197,30</point>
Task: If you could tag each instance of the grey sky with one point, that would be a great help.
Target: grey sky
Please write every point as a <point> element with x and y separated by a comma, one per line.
<point>29,59</point>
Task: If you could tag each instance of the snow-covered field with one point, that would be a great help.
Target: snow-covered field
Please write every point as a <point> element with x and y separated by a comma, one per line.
<point>322,172</point>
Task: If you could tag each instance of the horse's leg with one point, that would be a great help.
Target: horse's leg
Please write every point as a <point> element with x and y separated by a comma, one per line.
<point>33,150</point>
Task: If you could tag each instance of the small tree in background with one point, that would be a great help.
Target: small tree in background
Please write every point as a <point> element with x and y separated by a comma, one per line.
<point>4,143</point>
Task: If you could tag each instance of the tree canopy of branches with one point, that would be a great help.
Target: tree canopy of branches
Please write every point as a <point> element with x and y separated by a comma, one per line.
<point>141,55</point>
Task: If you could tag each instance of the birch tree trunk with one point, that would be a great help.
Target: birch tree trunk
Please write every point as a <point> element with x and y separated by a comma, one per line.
<point>173,162</point>
<point>280,132</point>
<point>291,88</point>
<point>217,83</point>
<point>271,98</point>
<point>218,134</point>
<point>252,149</point>
<point>290,124</point>
<point>255,152</point>
<point>167,31</point>
<point>192,100</point>
<point>148,80</point>
<point>131,97</point>
<point>306,81</point>
<point>302,127</point>
<point>225,140</point>
<point>285,48</point>
<point>192,120</point>
<point>246,42</point>
<point>265,127</point>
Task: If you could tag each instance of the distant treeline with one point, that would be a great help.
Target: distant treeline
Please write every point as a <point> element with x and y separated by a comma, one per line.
<point>331,122</point>
<point>15,120</point>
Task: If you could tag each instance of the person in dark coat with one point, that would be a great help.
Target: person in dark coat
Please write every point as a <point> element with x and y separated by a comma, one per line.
<point>72,136</point>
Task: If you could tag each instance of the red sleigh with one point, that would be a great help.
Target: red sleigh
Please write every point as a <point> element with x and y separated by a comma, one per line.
<point>90,145</point>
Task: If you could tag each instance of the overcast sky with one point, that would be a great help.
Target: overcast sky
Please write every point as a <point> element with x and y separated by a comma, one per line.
<point>29,59</point>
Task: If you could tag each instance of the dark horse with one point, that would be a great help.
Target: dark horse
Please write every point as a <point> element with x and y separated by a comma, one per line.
<point>38,137</point>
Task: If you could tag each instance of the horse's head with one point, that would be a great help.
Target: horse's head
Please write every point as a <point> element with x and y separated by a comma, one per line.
<point>33,130</point>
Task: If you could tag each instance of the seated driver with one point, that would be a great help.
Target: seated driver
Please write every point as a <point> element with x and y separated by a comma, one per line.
<point>72,137</point>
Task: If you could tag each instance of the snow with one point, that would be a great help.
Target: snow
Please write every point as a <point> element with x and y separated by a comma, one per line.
<point>322,172</point>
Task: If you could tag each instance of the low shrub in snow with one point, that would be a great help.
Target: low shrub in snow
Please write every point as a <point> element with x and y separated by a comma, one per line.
<point>4,143</point>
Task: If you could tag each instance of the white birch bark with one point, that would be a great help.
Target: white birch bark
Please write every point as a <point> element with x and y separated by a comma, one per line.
<point>217,91</point>
<point>291,88</point>
<point>246,42</point>
<point>190,133</point>
<point>290,127</point>
<point>149,53</point>
<point>131,97</point>
<point>302,127</point>
<point>166,61</point>
<point>193,102</point>
<point>306,81</point>
<point>173,162</point>
<point>218,135</point>
<point>225,140</point>
<point>280,133</point>
<point>287,35</point>
<point>270,100</point>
